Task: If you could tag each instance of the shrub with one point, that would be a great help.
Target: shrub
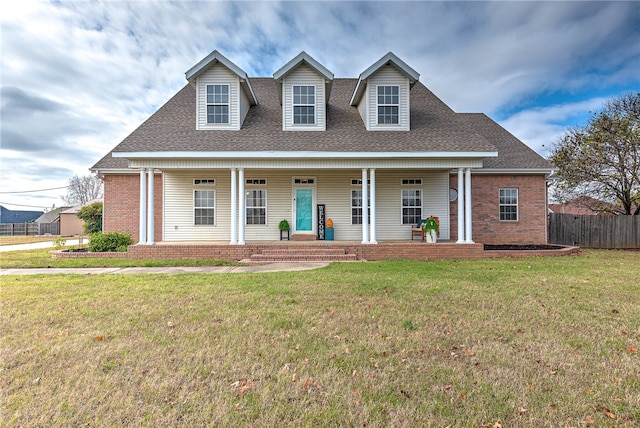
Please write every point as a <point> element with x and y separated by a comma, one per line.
<point>112,241</point>
<point>92,216</point>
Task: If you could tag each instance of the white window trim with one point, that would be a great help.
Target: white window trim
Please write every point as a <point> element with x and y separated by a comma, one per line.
<point>194,208</point>
<point>517,205</point>
<point>256,184</point>
<point>412,187</point>
<point>314,105</point>
<point>207,104</point>
<point>387,105</point>
<point>356,184</point>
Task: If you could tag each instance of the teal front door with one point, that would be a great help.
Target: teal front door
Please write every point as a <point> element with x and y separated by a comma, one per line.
<point>304,210</point>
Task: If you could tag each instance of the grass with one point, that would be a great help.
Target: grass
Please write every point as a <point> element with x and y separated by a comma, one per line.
<point>523,342</point>
<point>42,259</point>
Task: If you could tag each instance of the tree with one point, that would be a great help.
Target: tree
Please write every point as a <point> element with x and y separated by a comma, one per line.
<point>83,189</point>
<point>92,216</point>
<point>601,159</point>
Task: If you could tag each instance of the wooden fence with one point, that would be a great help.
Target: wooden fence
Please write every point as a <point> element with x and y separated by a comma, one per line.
<point>9,229</point>
<point>593,231</point>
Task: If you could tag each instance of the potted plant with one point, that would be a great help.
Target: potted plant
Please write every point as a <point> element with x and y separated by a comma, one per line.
<point>284,227</point>
<point>431,229</point>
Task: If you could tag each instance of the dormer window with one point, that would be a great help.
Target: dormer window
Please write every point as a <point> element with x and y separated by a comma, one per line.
<point>304,105</point>
<point>217,103</point>
<point>388,105</point>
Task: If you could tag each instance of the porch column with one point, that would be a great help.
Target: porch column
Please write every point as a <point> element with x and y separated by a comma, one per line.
<point>467,207</point>
<point>150,209</point>
<point>365,207</point>
<point>234,207</point>
<point>372,174</point>
<point>142,228</point>
<point>242,210</point>
<point>460,206</point>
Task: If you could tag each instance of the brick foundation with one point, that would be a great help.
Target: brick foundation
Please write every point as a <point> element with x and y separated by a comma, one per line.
<point>316,252</point>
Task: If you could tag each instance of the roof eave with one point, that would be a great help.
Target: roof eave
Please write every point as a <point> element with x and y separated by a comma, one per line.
<point>301,155</point>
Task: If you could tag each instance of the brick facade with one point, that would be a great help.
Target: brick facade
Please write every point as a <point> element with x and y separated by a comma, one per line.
<point>122,195</point>
<point>121,212</point>
<point>531,227</point>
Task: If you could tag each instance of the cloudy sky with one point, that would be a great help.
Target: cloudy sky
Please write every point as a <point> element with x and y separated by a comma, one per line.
<point>77,77</point>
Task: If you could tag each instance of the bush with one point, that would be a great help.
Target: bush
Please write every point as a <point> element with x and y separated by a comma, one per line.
<point>112,241</point>
<point>92,216</point>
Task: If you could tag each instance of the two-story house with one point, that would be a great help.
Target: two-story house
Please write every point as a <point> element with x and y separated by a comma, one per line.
<point>230,156</point>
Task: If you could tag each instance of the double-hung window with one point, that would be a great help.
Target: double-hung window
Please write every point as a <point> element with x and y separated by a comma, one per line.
<point>256,201</point>
<point>304,105</point>
<point>204,202</point>
<point>388,105</point>
<point>217,103</point>
<point>356,202</point>
<point>411,201</point>
<point>508,204</point>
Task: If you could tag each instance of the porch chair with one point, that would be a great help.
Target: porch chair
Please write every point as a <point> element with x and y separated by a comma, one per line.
<point>418,229</point>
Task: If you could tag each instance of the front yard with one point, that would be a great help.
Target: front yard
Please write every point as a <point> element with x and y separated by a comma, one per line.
<point>482,343</point>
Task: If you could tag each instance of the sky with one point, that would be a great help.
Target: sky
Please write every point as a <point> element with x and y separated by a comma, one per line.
<point>76,77</point>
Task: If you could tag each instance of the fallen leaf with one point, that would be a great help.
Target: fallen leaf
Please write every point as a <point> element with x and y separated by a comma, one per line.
<point>99,338</point>
<point>522,410</point>
<point>497,424</point>
<point>171,324</point>
<point>632,349</point>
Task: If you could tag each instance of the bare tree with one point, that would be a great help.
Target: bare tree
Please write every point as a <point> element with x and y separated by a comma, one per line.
<point>83,189</point>
<point>601,159</point>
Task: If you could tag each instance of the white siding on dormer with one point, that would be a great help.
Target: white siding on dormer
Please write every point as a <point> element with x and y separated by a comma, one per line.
<point>386,76</point>
<point>306,76</point>
<point>219,75</point>
<point>244,106</point>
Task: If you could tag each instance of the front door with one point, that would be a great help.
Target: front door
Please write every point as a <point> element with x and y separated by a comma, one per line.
<point>303,210</point>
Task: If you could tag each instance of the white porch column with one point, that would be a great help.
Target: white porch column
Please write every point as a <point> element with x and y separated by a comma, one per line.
<point>365,207</point>
<point>467,207</point>
<point>142,228</point>
<point>234,207</point>
<point>242,213</point>
<point>150,209</point>
<point>460,206</point>
<point>372,174</point>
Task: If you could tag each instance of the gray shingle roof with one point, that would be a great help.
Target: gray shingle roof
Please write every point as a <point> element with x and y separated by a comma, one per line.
<point>434,128</point>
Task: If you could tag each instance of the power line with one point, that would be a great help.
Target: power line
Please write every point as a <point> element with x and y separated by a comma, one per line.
<point>20,205</point>
<point>34,191</point>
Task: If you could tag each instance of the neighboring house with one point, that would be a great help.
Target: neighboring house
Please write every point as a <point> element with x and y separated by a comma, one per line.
<point>229,156</point>
<point>13,216</point>
<point>70,224</point>
<point>585,205</point>
<point>49,222</point>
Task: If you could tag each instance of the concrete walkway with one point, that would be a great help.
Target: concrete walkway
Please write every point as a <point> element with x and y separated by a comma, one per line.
<point>38,245</point>
<point>255,268</point>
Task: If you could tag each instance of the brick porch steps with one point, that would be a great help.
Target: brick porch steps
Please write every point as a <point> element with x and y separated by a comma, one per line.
<point>303,254</point>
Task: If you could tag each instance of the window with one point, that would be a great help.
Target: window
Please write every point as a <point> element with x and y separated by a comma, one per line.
<point>509,204</point>
<point>388,105</point>
<point>356,203</point>
<point>304,105</point>
<point>411,206</point>
<point>204,207</point>
<point>217,103</point>
<point>256,202</point>
<point>204,181</point>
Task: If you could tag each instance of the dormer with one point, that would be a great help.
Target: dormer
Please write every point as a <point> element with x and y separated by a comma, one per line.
<point>304,86</point>
<point>382,94</point>
<point>223,93</point>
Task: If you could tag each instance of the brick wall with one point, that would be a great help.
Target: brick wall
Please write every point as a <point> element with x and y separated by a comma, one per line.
<point>531,227</point>
<point>122,204</point>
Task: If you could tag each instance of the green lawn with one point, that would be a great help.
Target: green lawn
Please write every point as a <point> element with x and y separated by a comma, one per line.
<point>520,342</point>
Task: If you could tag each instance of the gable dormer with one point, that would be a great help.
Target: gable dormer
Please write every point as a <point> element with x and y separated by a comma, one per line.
<point>223,93</point>
<point>304,86</point>
<point>382,94</point>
